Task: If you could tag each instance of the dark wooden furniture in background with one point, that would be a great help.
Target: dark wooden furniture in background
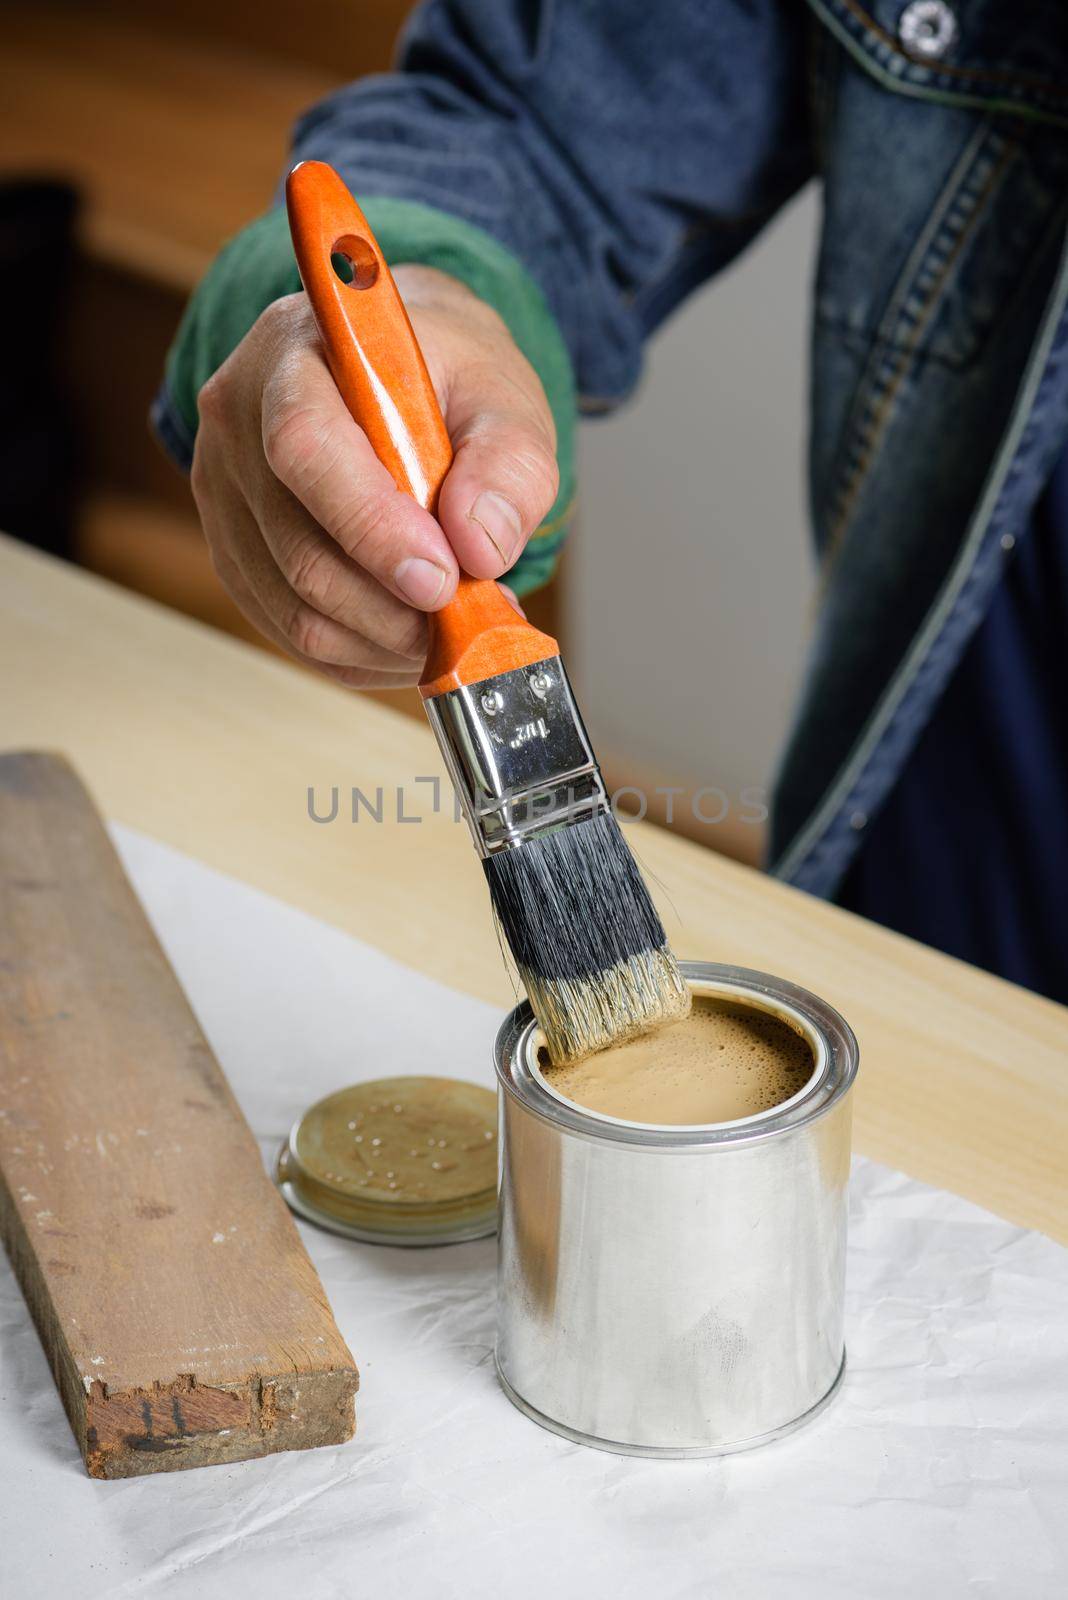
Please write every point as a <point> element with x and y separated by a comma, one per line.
<point>172,121</point>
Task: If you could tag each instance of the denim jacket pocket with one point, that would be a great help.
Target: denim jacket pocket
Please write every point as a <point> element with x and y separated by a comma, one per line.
<point>928,254</point>
<point>941,226</point>
<point>998,55</point>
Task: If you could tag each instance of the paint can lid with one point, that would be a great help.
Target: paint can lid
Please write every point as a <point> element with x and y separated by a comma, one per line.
<point>405,1161</point>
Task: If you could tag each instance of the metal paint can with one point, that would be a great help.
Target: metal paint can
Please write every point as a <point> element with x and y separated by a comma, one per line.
<point>675,1291</point>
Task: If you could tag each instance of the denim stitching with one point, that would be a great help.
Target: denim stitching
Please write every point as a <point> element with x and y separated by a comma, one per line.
<point>822,849</point>
<point>911,307</point>
<point>1025,92</point>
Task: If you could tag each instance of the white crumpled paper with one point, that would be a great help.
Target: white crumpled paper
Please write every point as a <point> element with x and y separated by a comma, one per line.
<point>940,1470</point>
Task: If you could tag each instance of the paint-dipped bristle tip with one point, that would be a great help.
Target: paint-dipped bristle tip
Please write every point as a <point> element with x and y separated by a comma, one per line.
<point>579,1017</point>
<point>588,944</point>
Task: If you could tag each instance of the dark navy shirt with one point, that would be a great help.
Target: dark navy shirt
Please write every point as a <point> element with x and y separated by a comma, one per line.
<point>970,851</point>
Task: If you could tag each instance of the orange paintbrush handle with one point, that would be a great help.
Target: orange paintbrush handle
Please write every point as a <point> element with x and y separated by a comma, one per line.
<point>380,373</point>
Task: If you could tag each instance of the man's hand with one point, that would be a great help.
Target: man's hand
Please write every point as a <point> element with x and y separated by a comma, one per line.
<point>305,526</point>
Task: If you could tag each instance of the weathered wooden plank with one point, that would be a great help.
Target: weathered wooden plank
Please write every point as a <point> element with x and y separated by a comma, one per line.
<point>180,1313</point>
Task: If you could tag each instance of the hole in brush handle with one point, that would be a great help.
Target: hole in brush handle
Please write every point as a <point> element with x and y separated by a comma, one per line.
<point>356,255</point>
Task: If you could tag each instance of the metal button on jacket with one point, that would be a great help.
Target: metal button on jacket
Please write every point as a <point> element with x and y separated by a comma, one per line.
<point>927,29</point>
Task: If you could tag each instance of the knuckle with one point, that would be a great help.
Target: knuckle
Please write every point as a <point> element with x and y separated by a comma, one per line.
<point>223,565</point>
<point>540,473</point>
<point>212,399</point>
<point>365,527</point>
<point>520,455</point>
<point>305,630</point>
<point>279,314</point>
<point>199,475</point>
<point>295,442</point>
<point>353,677</point>
<point>411,637</point>
<point>527,472</point>
<point>312,575</point>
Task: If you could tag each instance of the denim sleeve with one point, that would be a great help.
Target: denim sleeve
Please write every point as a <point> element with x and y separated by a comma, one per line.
<point>580,164</point>
<point>622,151</point>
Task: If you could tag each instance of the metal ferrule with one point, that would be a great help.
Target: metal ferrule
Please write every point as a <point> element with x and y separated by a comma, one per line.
<point>518,755</point>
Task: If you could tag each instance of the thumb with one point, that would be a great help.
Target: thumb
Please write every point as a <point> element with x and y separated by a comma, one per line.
<point>504,477</point>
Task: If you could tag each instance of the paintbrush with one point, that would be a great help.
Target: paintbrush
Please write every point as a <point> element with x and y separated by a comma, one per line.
<point>585,937</point>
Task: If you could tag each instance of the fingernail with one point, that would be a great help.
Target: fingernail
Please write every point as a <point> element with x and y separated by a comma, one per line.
<point>512,599</point>
<point>499,521</point>
<point>420,581</point>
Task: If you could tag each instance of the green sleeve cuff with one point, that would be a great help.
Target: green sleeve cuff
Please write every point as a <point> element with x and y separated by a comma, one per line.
<point>257,267</point>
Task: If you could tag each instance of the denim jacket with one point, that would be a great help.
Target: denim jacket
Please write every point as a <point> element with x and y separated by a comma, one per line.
<point>622,152</point>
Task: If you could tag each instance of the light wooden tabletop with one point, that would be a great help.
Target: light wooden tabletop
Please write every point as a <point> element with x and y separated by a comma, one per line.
<point>211,746</point>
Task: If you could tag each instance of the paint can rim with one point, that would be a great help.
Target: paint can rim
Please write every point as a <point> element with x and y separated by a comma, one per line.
<point>833,1041</point>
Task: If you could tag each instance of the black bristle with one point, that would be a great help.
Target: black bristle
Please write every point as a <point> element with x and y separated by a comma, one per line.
<point>572,902</point>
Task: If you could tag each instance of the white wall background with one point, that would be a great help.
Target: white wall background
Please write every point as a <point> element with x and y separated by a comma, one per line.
<point>690,577</point>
